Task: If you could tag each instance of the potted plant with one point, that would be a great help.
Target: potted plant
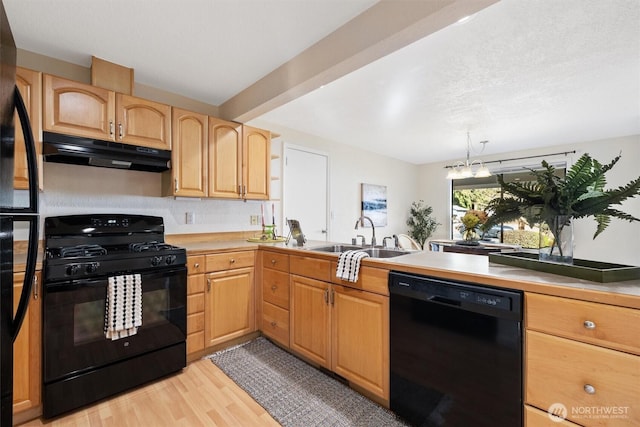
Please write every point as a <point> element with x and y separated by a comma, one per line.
<point>421,223</point>
<point>472,220</point>
<point>554,202</point>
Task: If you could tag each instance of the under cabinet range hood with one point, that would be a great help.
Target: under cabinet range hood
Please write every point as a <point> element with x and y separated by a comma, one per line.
<point>75,150</point>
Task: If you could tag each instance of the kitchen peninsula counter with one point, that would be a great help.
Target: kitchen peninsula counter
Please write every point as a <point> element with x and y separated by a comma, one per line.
<point>465,267</point>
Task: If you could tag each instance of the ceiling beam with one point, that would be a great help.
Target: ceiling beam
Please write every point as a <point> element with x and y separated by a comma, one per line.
<point>387,26</point>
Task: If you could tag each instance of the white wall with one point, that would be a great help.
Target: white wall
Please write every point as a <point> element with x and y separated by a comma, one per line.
<point>619,243</point>
<point>348,168</point>
<point>71,189</point>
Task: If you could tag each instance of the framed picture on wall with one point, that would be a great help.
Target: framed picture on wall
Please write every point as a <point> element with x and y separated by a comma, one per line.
<point>374,204</point>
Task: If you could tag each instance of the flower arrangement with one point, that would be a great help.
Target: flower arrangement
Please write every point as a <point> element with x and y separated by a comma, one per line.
<point>472,220</point>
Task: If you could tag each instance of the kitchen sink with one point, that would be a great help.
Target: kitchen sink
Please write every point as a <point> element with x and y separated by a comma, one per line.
<point>385,253</point>
<point>373,252</point>
<point>336,248</point>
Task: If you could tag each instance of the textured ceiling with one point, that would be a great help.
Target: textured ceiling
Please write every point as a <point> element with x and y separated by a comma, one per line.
<point>520,73</point>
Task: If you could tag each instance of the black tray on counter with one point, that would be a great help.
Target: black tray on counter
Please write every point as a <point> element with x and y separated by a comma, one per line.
<point>594,271</point>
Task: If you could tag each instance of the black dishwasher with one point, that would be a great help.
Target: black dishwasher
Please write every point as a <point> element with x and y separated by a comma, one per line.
<point>456,352</point>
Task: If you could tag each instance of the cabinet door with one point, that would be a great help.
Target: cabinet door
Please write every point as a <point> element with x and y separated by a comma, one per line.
<point>225,159</point>
<point>77,109</point>
<point>256,158</point>
<point>360,326</point>
<point>27,350</point>
<point>189,154</point>
<point>143,122</point>
<point>229,305</point>
<point>29,84</point>
<point>310,327</point>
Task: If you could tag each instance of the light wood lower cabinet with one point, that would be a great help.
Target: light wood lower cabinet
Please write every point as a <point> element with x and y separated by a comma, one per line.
<point>229,305</point>
<point>342,329</point>
<point>29,83</point>
<point>275,297</point>
<point>536,418</point>
<point>27,375</point>
<point>571,358</point>
<point>195,303</point>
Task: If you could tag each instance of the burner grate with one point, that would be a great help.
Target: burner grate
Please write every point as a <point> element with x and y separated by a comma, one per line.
<point>149,246</point>
<point>82,250</point>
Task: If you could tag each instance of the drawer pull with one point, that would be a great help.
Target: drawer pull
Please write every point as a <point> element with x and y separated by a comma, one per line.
<point>196,265</point>
<point>232,261</point>
<point>589,389</point>
<point>273,288</point>
<point>588,324</point>
<point>273,262</point>
<point>274,324</point>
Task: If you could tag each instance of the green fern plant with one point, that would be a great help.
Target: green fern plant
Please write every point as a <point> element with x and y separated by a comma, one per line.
<point>579,194</point>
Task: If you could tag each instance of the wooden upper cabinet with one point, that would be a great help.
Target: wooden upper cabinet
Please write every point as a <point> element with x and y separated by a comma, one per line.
<point>29,84</point>
<point>189,156</point>
<point>225,159</point>
<point>78,109</point>
<point>143,122</point>
<point>256,158</point>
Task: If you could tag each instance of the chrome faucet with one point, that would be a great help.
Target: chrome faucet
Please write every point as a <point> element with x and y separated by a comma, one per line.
<point>373,229</point>
<point>396,243</point>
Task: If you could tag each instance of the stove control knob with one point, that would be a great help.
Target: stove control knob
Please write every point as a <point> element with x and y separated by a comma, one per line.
<point>72,269</point>
<point>91,267</point>
<point>170,259</point>
<point>156,261</point>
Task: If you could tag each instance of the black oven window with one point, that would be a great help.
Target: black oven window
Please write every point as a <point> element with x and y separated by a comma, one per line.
<point>88,317</point>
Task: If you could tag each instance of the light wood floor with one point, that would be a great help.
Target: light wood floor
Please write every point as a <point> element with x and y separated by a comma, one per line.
<point>201,395</point>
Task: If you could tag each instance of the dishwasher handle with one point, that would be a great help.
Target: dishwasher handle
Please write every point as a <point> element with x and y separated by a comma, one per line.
<point>443,300</point>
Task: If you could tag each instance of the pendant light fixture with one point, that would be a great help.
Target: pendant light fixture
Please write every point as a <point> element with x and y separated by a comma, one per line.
<point>466,169</point>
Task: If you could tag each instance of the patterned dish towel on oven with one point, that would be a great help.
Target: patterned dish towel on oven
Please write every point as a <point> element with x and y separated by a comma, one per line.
<point>349,265</point>
<point>123,310</point>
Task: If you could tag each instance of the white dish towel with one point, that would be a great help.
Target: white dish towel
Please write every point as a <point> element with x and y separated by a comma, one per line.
<point>349,265</point>
<point>123,311</point>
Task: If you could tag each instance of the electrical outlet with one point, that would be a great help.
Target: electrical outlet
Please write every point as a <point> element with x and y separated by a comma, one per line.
<point>253,219</point>
<point>190,218</point>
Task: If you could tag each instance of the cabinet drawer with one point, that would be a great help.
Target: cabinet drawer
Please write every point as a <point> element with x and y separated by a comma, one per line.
<point>536,418</point>
<point>275,260</point>
<point>195,322</point>
<point>195,342</point>
<point>562,370</point>
<point>275,323</point>
<point>369,279</point>
<point>275,287</point>
<point>195,264</point>
<point>195,303</point>
<point>314,268</point>
<point>195,284</point>
<point>229,260</point>
<point>601,324</point>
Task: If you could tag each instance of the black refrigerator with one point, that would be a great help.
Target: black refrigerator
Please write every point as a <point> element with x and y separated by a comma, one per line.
<point>18,214</point>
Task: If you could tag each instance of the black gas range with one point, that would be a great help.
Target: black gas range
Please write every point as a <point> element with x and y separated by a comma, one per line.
<point>85,357</point>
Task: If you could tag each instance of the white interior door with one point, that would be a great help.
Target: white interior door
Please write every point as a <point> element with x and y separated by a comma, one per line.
<point>305,190</point>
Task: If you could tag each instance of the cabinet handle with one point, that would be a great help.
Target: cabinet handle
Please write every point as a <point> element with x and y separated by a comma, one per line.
<point>120,130</point>
<point>332,297</point>
<point>35,287</point>
<point>588,324</point>
<point>273,288</point>
<point>326,296</point>
<point>175,184</point>
<point>244,190</point>
<point>196,265</point>
<point>208,285</point>
<point>240,190</point>
<point>274,324</point>
<point>110,127</point>
<point>232,261</point>
<point>273,262</point>
<point>589,389</point>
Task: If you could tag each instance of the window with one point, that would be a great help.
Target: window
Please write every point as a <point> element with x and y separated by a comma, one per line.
<point>475,193</point>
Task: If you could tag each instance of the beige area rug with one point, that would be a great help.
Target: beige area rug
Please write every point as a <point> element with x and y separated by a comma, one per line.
<point>295,393</point>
